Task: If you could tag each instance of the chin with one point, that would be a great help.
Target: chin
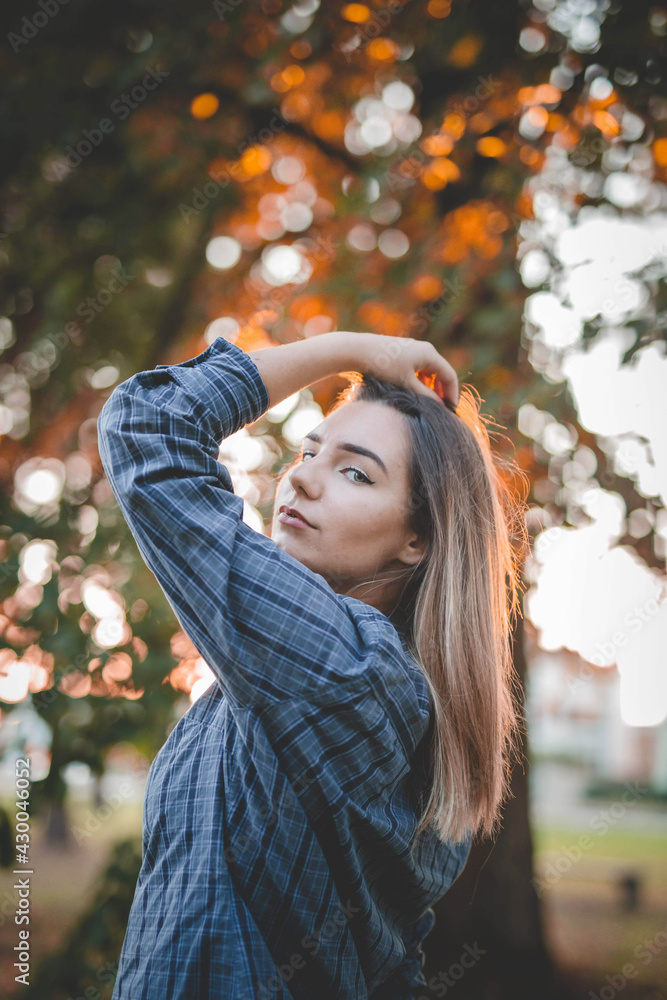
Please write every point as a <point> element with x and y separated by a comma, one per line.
<point>281,538</point>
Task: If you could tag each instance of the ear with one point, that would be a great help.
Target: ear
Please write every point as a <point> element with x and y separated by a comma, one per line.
<point>413,551</point>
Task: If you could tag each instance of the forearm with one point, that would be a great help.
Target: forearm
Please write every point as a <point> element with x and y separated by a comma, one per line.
<point>288,368</point>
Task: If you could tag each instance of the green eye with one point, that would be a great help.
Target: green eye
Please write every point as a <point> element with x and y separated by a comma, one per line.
<point>350,468</point>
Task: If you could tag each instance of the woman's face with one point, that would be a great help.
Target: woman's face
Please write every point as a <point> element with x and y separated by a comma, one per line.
<point>358,507</point>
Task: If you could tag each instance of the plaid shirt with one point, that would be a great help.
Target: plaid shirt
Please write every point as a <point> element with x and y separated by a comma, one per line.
<point>279,815</point>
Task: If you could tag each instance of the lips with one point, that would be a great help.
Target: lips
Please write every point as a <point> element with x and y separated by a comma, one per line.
<point>294,513</point>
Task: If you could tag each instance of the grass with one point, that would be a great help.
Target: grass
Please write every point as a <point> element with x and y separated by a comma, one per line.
<point>587,927</point>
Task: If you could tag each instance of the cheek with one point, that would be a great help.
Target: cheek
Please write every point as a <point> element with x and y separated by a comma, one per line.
<point>366,520</point>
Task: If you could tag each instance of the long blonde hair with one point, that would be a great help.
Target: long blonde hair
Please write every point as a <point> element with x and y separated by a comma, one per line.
<point>458,605</point>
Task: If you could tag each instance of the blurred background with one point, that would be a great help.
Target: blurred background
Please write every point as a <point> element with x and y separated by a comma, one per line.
<point>489,176</point>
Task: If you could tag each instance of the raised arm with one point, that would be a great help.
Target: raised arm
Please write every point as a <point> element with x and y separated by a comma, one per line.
<point>269,628</point>
<point>287,368</point>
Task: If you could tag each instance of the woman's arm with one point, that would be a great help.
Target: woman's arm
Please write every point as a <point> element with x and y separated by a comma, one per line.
<point>287,368</point>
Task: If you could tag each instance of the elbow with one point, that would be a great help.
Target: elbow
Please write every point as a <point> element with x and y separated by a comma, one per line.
<point>112,435</point>
<point>108,422</point>
<point>112,407</point>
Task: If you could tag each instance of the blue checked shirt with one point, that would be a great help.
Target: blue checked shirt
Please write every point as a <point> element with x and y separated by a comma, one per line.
<point>279,815</point>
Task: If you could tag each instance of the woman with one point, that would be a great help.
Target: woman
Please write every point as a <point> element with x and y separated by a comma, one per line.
<point>310,807</point>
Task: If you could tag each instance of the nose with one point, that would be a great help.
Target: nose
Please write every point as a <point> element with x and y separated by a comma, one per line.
<point>304,480</point>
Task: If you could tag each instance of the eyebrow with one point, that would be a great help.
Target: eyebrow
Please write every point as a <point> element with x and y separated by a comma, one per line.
<point>356,449</point>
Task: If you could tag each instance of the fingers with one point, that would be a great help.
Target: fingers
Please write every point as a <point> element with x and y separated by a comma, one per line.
<point>444,390</point>
<point>420,387</point>
<point>444,379</point>
<point>448,389</point>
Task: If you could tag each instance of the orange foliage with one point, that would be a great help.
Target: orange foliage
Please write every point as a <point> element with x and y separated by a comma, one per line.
<point>439,173</point>
<point>472,228</point>
<point>439,8</point>
<point>537,116</point>
<point>357,13</point>
<point>181,646</point>
<point>291,76</point>
<point>253,338</point>
<point>556,122</point>
<point>426,287</point>
<point>254,161</point>
<point>454,124</point>
<point>304,307</point>
<point>530,156</point>
<point>300,49</point>
<point>524,205</point>
<point>301,105</point>
<point>75,684</point>
<point>437,144</point>
<point>182,677</point>
<point>329,125</point>
<point>118,667</point>
<point>581,114</point>
<point>491,145</point>
<point>264,318</point>
<point>376,316</point>
<point>383,50</point>
<point>464,53</point>
<point>606,123</point>
<point>482,122</point>
<point>544,93</point>
<point>140,648</point>
<point>660,152</point>
<point>204,106</point>
<point>568,136</point>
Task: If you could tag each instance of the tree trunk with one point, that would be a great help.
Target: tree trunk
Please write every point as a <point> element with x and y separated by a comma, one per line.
<point>51,794</point>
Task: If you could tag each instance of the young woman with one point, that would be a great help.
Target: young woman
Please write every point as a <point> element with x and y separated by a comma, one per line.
<point>310,807</point>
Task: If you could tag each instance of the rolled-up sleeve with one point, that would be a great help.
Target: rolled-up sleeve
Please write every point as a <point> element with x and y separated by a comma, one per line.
<point>269,627</point>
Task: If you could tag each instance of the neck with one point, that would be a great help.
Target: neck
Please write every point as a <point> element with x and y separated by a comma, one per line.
<point>384,592</point>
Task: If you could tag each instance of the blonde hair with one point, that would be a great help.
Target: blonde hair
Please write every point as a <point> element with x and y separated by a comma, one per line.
<point>459,604</point>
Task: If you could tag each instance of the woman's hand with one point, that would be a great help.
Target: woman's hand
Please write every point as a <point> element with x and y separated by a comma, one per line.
<point>401,360</point>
